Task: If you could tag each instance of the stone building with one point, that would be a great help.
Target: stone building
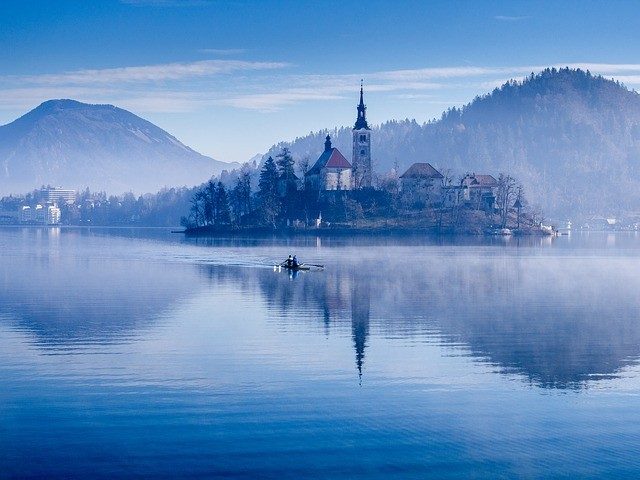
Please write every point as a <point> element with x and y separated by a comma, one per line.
<point>480,191</point>
<point>422,185</point>
<point>475,191</point>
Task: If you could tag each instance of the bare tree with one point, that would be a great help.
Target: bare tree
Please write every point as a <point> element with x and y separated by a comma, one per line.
<point>304,163</point>
<point>507,191</point>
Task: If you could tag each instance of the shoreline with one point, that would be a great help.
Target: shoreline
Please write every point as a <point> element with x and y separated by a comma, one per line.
<point>212,231</point>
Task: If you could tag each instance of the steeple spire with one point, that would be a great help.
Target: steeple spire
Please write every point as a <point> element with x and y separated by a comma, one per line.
<point>361,121</point>
<point>327,143</point>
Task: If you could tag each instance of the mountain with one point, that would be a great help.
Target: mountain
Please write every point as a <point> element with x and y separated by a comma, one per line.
<point>572,138</point>
<point>76,145</point>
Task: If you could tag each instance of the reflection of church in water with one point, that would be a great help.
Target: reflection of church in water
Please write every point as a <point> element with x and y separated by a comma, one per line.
<point>339,298</point>
<point>360,312</point>
<point>350,295</point>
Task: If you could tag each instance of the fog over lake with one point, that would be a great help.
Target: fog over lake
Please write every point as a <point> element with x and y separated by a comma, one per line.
<point>139,353</point>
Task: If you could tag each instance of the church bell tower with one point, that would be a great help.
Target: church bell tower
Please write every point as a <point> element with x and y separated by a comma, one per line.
<point>361,147</point>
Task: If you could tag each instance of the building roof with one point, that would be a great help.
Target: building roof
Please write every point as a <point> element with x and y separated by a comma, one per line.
<point>480,181</point>
<point>418,170</point>
<point>330,158</point>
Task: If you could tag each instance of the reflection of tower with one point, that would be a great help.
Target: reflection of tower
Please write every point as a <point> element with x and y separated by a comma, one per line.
<point>360,311</point>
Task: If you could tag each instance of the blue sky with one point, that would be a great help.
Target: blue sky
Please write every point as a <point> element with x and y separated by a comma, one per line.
<point>231,78</point>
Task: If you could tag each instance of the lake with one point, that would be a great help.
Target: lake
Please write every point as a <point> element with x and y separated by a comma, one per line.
<point>139,353</point>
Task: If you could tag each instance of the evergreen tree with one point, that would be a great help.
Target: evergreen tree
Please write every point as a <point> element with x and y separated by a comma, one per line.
<point>268,191</point>
<point>241,196</point>
<point>223,215</point>
<point>287,172</point>
<point>288,184</point>
<point>209,200</point>
<point>197,208</point>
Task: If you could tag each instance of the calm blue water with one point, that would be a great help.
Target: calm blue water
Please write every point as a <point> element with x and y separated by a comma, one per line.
<point>142,354</point>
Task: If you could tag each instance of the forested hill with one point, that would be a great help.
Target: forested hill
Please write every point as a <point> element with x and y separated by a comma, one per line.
<point>572,138</point>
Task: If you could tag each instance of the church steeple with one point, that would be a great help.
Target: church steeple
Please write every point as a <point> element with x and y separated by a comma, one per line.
<point>361,147</point>
<point>327,143</point>
<point>361,121</point>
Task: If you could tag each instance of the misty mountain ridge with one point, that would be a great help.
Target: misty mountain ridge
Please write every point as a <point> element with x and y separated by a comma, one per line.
<point>76,145</point>
<point>572,138</point>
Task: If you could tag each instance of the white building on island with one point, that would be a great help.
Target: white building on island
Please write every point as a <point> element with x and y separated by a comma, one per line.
<point>332,171</point>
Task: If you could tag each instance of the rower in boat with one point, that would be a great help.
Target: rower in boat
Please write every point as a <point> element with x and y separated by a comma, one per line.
<point>294,262</point>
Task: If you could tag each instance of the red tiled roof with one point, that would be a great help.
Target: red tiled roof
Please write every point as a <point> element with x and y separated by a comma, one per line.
<point>331,158</point>
<point>337,160</point>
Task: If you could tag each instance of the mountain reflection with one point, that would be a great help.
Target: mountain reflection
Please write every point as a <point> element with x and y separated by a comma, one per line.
<point>64,302</point>
<point>556,327</point>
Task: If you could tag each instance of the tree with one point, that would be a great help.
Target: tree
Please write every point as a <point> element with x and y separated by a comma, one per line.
<point>286,170</point>
<point>288,182</point>
<point>197,208</point>
<point>519,204</point>
<point>268,192</point>
<point>507,190</point>
<point>241,195</point>
<point>223,215</point>
<point>304,164</point>
<point>209,200</point>
<point>352,210</point>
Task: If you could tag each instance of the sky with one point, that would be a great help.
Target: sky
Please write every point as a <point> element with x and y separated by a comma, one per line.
<point>231,78</point>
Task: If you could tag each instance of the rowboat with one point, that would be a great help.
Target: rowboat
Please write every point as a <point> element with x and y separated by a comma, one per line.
<point>300,267</point>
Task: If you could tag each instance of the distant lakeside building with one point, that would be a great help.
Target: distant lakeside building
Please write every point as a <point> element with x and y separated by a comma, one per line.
<point>40,215</point>
<point>57,195</point>
<point>423,185</point>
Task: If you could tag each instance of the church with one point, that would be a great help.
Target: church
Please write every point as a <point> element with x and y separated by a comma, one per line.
<point>332,171</point>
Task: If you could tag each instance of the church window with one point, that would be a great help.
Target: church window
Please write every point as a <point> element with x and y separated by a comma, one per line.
<point>363,138</point>
<point>362,152</point>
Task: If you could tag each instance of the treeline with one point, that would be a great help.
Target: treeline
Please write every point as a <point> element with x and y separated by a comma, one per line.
<point>275,194</point>
<point>163,208</point>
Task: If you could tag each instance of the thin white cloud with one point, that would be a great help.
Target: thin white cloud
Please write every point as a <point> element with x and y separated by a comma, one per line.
<point>222,52</point>
<point>152,73</point>
<point>315,90</point>
<point>262,86</point>
<point>403,82</point>
<point>604,68</point>
<point>165,101</point>
<point>511,18</point>
<point>268,102</point>
<point>414,96</point>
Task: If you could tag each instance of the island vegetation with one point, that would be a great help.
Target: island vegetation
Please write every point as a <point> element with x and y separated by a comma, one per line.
<point>272,197</point>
